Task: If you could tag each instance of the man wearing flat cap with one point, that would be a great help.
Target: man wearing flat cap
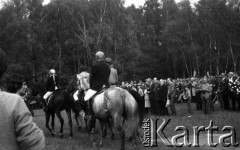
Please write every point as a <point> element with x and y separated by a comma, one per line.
<point>113,78</point>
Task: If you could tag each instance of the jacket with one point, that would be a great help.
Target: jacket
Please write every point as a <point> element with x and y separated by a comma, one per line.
<point>51,84</point>
<point>99,75</point>
<point>113,77</point>
<point>17,131</point>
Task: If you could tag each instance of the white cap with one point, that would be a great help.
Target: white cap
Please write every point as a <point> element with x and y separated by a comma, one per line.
<point>52,71</point>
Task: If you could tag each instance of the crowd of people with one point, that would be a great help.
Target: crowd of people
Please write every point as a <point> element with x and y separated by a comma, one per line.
<point>160,95</point>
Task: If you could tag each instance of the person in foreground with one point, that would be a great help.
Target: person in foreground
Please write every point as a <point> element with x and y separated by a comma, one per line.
<point>17,130</point>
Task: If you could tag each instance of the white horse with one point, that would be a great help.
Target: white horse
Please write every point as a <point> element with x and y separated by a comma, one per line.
<point>116,104</point>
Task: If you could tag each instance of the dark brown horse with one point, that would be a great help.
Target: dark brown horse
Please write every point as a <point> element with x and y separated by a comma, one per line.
<point>59,101</point>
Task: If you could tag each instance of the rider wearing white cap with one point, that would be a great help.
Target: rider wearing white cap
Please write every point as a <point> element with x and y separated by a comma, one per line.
<point>52,84</point>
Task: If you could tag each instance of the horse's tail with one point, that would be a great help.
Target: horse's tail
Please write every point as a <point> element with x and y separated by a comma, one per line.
<point>141,105</point>
<point>131,113</point>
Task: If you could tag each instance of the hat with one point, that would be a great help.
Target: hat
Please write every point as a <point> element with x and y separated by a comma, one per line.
<point>52,71</point>
<point>108,60</point>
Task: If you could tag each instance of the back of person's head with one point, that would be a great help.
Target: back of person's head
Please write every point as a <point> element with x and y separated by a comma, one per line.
<point>3,62</point>
<point>100,55</point>
<point>14,83</point>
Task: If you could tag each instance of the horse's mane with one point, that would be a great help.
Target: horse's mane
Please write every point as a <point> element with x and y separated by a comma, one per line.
<point>83,78</point>
<point>83,74</point>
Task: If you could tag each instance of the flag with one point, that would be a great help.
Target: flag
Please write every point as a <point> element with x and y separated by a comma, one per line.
<point>234,84</point>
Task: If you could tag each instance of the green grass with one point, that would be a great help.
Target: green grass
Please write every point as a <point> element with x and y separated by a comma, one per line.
<point>82,141</point>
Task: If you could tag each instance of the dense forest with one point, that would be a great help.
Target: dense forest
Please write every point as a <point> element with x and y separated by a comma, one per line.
<point>160,39</point>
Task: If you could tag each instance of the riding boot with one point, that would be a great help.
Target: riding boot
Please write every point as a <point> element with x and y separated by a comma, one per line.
<point>89,108</point>
<point>45,107</point>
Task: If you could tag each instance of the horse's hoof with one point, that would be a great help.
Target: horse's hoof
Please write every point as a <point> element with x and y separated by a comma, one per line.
<point>101,144</point>
<point>53,133</point>
<point>95,146</point>
<point>61,135</point>
<point>70,137</point>
<point>133,146</point>
<point>112,137</point>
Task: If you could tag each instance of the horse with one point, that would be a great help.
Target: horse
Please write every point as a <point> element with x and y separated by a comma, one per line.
<point>60,100</point>
<point>114,104</point>
<point>77,106</point>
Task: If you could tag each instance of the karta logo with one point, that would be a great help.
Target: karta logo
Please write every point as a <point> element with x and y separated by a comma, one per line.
<point>152,133</point>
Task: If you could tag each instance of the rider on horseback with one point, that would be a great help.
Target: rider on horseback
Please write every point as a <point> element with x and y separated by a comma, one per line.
<point>98,79</point>
<point>52,85</point>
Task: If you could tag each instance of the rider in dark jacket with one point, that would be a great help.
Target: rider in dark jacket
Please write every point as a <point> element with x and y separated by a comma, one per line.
<point>99,76</point>
<point>98,79</point>
<point>52,85</point>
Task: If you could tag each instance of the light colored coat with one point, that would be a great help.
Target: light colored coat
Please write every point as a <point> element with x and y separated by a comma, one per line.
<point>113,77</point>
<point>17,131</point>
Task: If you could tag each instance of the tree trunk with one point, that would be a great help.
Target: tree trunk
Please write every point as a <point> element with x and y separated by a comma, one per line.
<point>210,58</point>
<point>218,57</point>
<point>174,66</point>
<point>195,54</point>
<point>185,61</point>
<point>59,56</point>
<point>226,67</point>
<point>115,51</point>
<point>231,51</point>
<point>33,57</point>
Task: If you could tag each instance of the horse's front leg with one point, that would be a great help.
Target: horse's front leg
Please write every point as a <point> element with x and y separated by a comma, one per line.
<point>47,116</point>
<point>53,123</point>
<point>77,121</point>
<point>70,122</point>
<point>58,113</point>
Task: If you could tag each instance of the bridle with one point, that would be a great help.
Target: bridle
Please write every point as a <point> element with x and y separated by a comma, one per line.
<point>83,85</point>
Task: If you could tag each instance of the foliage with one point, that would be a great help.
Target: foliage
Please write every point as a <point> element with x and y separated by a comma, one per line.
<point>161,39</point>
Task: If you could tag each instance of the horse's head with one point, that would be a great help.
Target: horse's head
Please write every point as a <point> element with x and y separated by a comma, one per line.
<point>83,81</point>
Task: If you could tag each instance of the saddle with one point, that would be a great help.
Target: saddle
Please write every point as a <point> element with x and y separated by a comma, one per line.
<point>89,111</point>
<point>103,89</point>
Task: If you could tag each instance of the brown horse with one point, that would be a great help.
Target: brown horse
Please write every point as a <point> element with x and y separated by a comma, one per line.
<point>60,101</point>
<point>115,104</point>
